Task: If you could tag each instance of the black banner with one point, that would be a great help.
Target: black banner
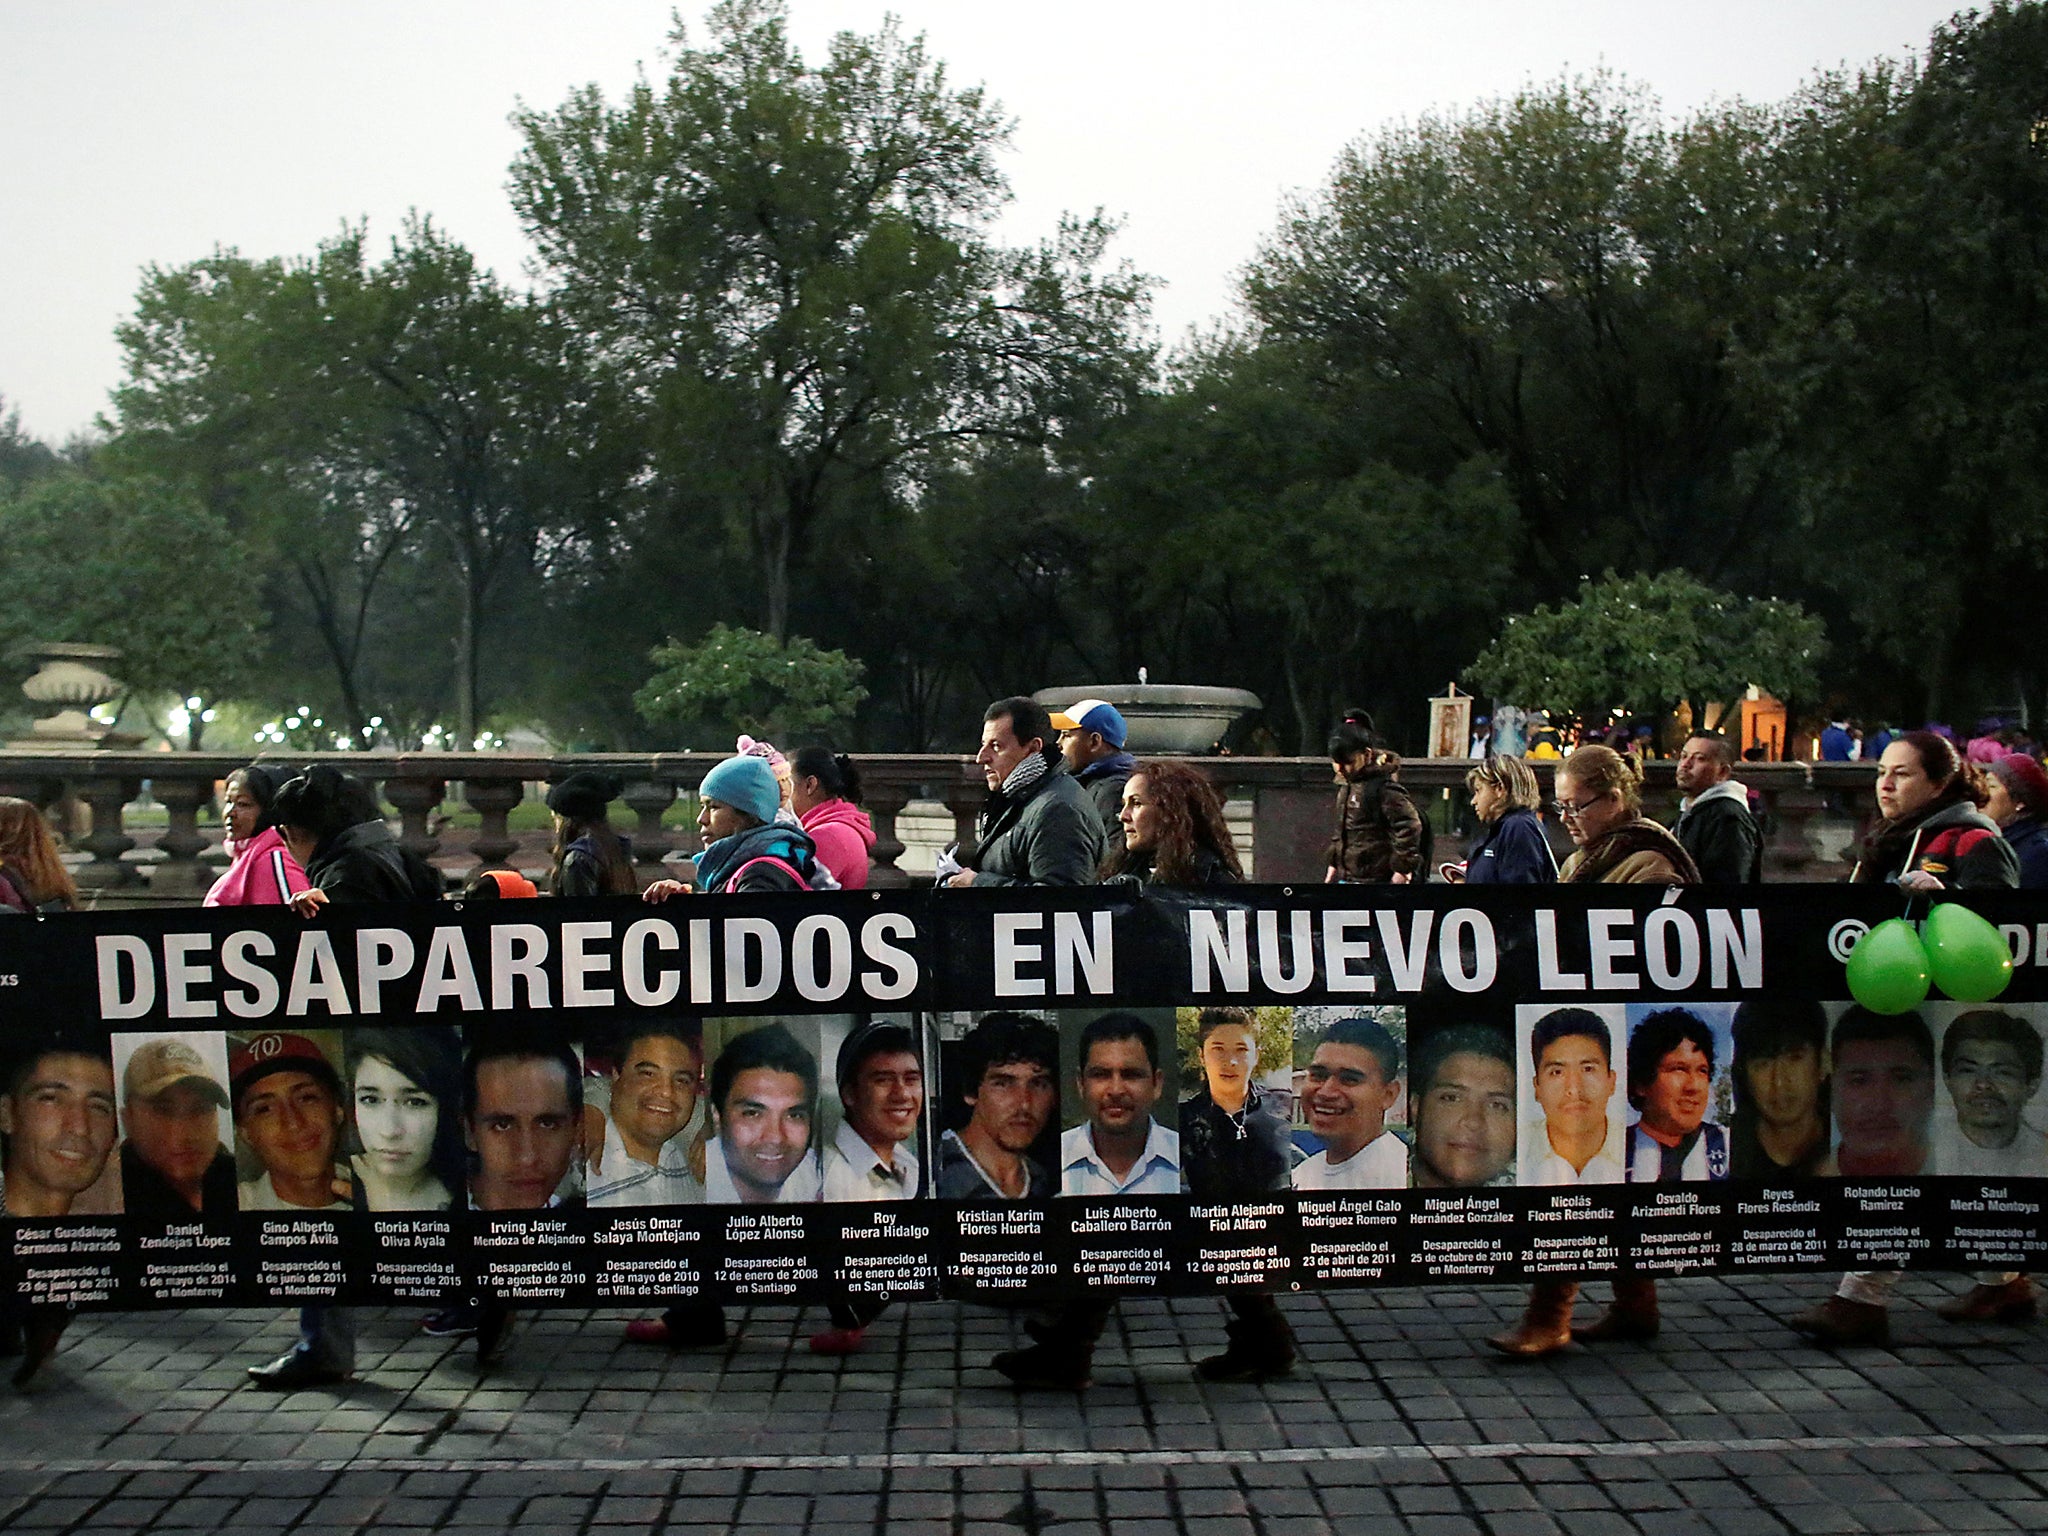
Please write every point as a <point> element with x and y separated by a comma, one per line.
<point>899,1094</point>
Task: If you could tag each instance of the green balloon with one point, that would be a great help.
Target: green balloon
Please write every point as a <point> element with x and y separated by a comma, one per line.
<point>1966,955</point>
<point>1888,970</point>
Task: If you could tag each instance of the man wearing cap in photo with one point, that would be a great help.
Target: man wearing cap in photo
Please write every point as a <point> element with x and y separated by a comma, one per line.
<point>1092,737</point>
<point>173,1166</point>
<point>288,1111</point>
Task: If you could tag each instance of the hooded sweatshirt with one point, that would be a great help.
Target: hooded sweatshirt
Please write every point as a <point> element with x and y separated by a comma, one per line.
<point>843,834</point>
<point>263,874</point>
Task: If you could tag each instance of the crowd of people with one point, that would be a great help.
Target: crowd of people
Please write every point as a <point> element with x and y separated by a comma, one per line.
<point>1067,805</point>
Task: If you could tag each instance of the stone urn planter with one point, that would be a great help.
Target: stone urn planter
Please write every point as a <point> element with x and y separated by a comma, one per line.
<point>1166,719</point>
<point>73,679</point>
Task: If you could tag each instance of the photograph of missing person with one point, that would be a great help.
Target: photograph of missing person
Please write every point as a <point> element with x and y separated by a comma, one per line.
<point>405,1104</point>
<point>287,1098</point>
<point>1883,1071</point>
<point>174,1100</point>
<point>1573,1127</point>
<point>58,1123</point>
<point>645,1116</point>
<point>1119,1071</point>
<point>872,1152</point>
<point>1989,1116</point>
<point>1678,1092</point>
<point>1461,1103</point>
<point>1000,1137</point>
<point>1236,1126</point>
<point>763,1089</point>
<point>522,1118</point>
<point>1348,1066</point>
<point>1783,1113</point>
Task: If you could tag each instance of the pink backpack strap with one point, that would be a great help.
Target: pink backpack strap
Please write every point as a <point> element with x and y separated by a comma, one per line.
<point>767,858</point>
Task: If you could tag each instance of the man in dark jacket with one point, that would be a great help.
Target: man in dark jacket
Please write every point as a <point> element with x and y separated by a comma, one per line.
<point>1714,823</point>
<point>1038,827</point>
<point>1092,738</point>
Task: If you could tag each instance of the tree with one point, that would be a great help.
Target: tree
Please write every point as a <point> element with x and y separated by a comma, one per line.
<point>129,563</point>
<point>744,680</point>
<point>1648,643</point>
<point>792,267</point>
<point>22,458</point>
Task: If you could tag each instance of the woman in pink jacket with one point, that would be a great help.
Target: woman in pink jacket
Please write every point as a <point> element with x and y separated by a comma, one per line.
<point>823,791</point>
<point>264,873</point>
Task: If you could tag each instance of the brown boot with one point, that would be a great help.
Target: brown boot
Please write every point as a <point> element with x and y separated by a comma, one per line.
<point>1839,1323</point>
<point>1546,1325</point>
<point>2010,1302</point>
<point>1632,1318</point>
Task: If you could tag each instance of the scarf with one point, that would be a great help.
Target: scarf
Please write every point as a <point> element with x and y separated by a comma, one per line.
<point>1013,791</point>
<point>722,860</point>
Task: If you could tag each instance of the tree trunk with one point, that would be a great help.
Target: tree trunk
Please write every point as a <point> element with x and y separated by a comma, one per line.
<point>465,668</point>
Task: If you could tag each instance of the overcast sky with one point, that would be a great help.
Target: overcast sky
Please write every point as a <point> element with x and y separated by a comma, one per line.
<point>137,132</point>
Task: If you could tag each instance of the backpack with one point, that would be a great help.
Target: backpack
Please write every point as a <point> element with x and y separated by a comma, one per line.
<point>733,884</point>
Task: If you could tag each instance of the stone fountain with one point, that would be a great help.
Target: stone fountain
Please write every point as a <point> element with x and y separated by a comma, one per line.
<point>1165,719</point>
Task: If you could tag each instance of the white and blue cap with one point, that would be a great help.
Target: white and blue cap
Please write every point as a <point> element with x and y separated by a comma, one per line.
<point>1097,715</point>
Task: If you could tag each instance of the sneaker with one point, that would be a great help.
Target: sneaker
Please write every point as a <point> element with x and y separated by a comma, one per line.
<point>707,1333</point>
<point>839,1341</point>
<point>451,1323</point>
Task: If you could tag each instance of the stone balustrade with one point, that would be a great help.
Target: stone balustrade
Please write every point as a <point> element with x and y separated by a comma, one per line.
<point>1289,801</point>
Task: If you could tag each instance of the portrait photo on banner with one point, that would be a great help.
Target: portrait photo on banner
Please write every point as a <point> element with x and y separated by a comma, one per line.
<point>404,1142</point>
<point>1237,1105</point>
<point>175,1125</point>
<point>1573,1111</point>
<point>1349,1097</point>
<point>1120,1077</point>
<point>1680,1091</point>
<point>1462,1105</point>
<point>59,1123</point>
<point>997,1115</point>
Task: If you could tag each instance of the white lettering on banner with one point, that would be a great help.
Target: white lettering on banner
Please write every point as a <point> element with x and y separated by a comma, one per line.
<point>450,975</point>
<point>700,962</point>
<point>236,950</point>
<point>118,1001</point>
<point>1661,929</point>
<point>633,963</point>
<point>1089,950</point>
<point>1011,952</point>
<point>902,963</point>
<point>182,973</point>
<point>803,950</point>
<point>1221,945</point>
<point>1605,949</point>
<point>579,966</point>
<point>382,954</point>
<point>1302,950</point>
<point>1341,951</point>
<point>517,952</point>
<point>741,985</point>
<point>1744,951</point>
<point>1550,973</point>
<point>1407,961</point>
<point>1450,950</point>
<point>316,977</point>
<point>2019,939</point>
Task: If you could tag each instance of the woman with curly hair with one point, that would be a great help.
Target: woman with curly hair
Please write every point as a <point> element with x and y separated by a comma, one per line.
<point>32,877</point>
<point>1174,831</point>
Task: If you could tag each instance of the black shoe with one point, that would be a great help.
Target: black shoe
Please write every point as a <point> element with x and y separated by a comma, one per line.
<point>39,1338</point>
<point>1043,1369</point>
<point>1244,1360</point>
<point>294,1370</point>
<point>493,1333</point>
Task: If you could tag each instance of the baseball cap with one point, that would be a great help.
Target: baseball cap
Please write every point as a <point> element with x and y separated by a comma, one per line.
<point>1097,715</point>
<point>161,1065</point>
<point>257,1057</point>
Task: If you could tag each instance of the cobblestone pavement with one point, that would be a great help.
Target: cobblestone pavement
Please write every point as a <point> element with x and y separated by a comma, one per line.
<point>1397,1420</point>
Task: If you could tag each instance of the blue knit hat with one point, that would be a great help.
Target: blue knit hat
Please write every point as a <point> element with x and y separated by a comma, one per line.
<point>746,784</point>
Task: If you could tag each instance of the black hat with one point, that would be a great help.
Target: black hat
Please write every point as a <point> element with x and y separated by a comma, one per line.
<point>584,794</point>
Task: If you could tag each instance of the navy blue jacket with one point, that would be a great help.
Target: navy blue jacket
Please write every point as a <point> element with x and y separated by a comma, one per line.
<point>2028,838</point>
<point>1511,851</point>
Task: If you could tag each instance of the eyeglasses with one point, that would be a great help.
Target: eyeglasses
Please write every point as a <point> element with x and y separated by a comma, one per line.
<point>1572,810</point>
